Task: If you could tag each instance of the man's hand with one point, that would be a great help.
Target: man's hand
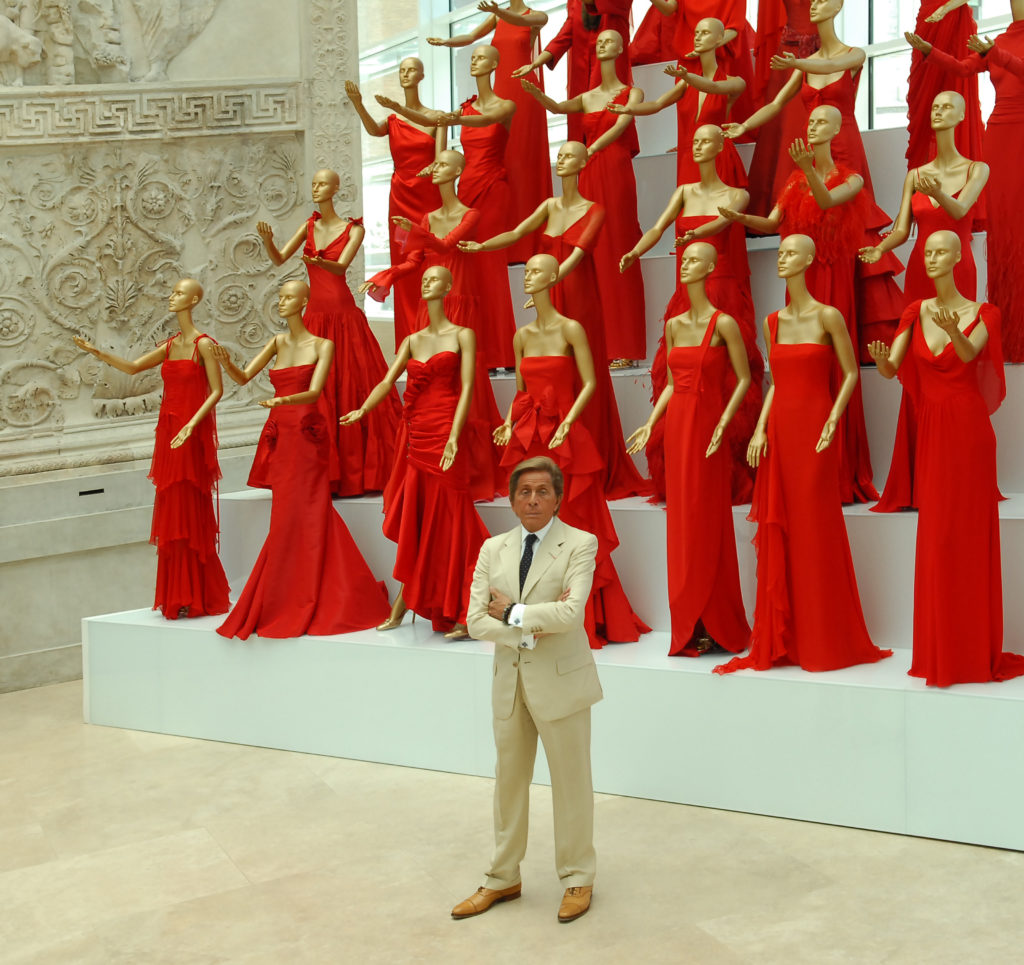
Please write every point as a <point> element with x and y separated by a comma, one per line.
<point>499,603</point>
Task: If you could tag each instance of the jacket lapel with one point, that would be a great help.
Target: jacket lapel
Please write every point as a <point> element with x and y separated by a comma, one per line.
<point>549,550</point>
<point>509,560</point>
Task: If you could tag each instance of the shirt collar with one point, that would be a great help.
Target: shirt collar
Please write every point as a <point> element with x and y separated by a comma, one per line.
<point>541,533</point>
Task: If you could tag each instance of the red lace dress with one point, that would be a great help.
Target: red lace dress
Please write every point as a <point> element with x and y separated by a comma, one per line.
<point>691,113</point>
<point>703,575</point>
<point>808,609</point>
<point>609,180</point>
<point>361,455</point>
<point>551,388</point>
<point>576,296</point>
<point>310,577</point>
<point>427,512</point>
<point>189,575</point>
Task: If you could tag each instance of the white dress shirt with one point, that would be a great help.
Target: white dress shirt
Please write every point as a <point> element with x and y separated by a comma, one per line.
<point>515,616</point>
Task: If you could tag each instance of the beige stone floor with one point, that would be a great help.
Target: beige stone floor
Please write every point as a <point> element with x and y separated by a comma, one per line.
<point>126,848</point>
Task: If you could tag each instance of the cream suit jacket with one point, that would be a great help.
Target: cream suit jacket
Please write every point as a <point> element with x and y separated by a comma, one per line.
<point>558,676</point>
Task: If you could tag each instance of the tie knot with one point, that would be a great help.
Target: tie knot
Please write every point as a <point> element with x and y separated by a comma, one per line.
<point>531,539</point>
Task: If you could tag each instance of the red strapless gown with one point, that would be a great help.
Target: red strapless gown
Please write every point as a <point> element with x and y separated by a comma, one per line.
<point>609,180</point>
<point>361,455</point>
<point>310,577</point>
<point>691,114</point>
<point>551,387</point>
<point>526,157</point>
<point>411,197</point>
<point>958,599</point>
<point>703,575</point>
<point>189,575</point>
<point>427,512</point>
<point>808,609</point>
<point>728,289</point>
<point>576,296</point>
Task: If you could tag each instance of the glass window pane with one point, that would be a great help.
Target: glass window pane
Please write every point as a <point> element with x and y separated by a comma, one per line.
<point>889,73</point>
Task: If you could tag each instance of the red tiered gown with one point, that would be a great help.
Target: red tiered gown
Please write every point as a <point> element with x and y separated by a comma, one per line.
<point>703,575</point>
<point>808,609</point>
<point>551,388</point>
<point>728,289</point>
<point>361,455</point>
<point>310,577</point>
<point>691,114</point>
<point>412,197</point>
<point>427,512</point>
<point>609,180</point>
<point>526,157</point>
<point>189,575</point>
<point>576,296</point>
<point>958,599</point>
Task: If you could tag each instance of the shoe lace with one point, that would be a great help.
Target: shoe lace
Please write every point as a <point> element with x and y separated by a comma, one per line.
<point>575,892</point>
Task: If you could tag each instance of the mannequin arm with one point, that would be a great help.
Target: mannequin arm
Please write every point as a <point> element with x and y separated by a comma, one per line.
<point>494,115</point>
<point>577,339</point>
<point>966,347</point>
<point>246,375</point>
<point>423,118</point>
<point>840,194</point>
<point>213,380</point>
<point>324,358</point>
<point>340,267</point>
<point>729,330</point>
<point>148,361</point>
<point>503,433</point>
<point>973,64</point>
<point>901,227</point>
<point>464,40</point>
<point>739,204</point>
<point>947,8</point>
<point>888,360</point>
<point>853,59</point>
<point>573,106</point>
<point>835,327</point>
<point>574,258</point>
<point>420,237</point>
<point>279,256</point>
<point>381,390</point>
<point>617,129</point>
<point>372,127</point>
<point>532,18</point>
<point>763,226</point>
<point>758,445</point>
<point>506,238</point>
<point>770,110</point>
<point>467,345</point>
<point>956,208</point>
<point>638,439</point>
<point>666,7</point>
<point>730,87</point>
<point>653,234</point>
<point>646,108</point>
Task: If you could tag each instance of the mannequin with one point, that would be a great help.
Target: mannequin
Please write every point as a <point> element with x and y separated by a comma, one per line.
<point>572,226</point>
<point>610,181</point>
<point>360,460</point>
<point>703,575</point>
<point>309,577</point>
<point>552,357</point>
<point>190,580</point>
<point>694,209</point>
<point>948,357</point>
<point>807,610</point>
<point>428,509</point>
<point>412,149</point>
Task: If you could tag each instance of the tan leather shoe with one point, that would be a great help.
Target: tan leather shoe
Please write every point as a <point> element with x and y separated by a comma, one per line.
<point>575,902</point>
<point>483,898</point>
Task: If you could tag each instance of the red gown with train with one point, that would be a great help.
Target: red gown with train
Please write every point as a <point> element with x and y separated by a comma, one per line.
<point>808,609</point>
<point>693,112</point>
<point>551,389</point>
<point>189,575</point>
<point>958,600</point>
<point>576,296</point>
<point>361,455</point>
<point>429,512</point>
<point>703,575</point>
<point>609,180</point>
<point>412,197</point>
<point>310,577</point>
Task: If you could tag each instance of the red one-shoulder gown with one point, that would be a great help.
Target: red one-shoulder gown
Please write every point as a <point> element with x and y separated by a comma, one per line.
<point>693,112</point>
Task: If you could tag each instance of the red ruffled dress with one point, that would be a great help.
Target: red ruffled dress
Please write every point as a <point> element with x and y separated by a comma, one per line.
<point>189,575</point>
<point>551,388</point>
<point>429,513</point>
<point>361,454</point>
<point>310,577</point>
<point>808,609</point>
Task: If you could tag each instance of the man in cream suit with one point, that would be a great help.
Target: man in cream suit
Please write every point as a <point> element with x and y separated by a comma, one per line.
<point>530,588</point>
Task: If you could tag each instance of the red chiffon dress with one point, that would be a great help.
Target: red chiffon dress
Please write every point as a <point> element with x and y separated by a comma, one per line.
<point>189,575</point>
<point>728,289</point>
<point>412,197</point>
<point>576,297</point>
<point>609,180</point>
<point>310,577</point>
<point>427,512</point>
<point>551,388</point>
<point>691,113</point>
<point>361,455</point>
<point>808,609</point>
<point>958,599</point>
<point>1003,149</point>
<point>527,159</point>
<point>929,218</point>
<point>464,305</point>
<point>703,575</point>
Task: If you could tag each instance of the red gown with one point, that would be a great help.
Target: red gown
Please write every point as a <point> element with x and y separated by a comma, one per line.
<point>310,577</point>
<point>691,114</point>
<point>609,180</point>
<point>526,157</point>
<point>576,296</point>
<point>189,575</point>
<point>1003,149</point>
<point>551,388</point>
<point>703,575</point>
<point>808,609</point>
<point>958,599</point>
<point>427,512</point>
<point>412,197</point>
<point>361,455</point>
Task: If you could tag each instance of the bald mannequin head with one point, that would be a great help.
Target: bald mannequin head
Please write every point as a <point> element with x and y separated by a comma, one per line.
<point>540,273</point>
<point>796,253</point>
<point>292,297</point>
<point>609,45</point>
<point>823,124</point>
<point>941,253</point>
<point>483,60</point>
<point>435,283</point>
<point>571,159</point>
<point>448,166</point>
<point>697,262</point>
<point>708,34</point>
<point>410,72</point>
<point>948,109</point>
<point>708,142</point>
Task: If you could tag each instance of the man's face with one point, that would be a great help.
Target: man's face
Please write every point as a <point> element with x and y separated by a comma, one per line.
<point>534,500</point>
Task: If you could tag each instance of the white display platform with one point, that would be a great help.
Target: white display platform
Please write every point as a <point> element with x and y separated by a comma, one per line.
<point>866,747</point>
